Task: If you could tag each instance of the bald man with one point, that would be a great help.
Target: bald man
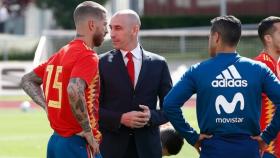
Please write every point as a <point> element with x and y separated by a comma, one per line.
<point>70,93</point>
<point>132,81</point>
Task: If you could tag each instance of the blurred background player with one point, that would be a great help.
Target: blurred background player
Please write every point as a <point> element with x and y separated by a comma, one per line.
<point>269,33</point>
<point>70,81</point>
<point>228,98</point>
<point>171,141</point>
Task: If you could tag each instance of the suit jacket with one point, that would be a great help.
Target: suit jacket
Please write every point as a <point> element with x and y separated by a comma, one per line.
<point>117,96</point>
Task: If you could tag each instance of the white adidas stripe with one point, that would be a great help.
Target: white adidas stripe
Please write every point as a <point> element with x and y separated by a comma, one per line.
<point>226,74</point>
<point>219,77</point>
<point>229,73</point>
<point>234,72</point>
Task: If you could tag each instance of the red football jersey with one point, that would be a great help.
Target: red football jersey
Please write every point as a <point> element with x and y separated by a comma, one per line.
<point>268,109</point>
<point>74,60</point>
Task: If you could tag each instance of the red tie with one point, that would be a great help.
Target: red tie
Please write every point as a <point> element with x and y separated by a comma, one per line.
<point>130,67</point>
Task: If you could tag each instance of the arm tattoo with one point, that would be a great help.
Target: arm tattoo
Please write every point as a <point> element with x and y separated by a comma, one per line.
<point>31,84</point>
<point>77,102</point>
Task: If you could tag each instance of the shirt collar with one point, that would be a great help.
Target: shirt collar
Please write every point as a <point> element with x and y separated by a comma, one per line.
<point>136,52</point>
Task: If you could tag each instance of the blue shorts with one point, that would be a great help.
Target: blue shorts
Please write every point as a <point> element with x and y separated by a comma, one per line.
<point>70,147</point>
<point>230,146</point>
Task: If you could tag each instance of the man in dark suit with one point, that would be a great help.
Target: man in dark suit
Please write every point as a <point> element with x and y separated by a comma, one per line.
<point>132,81</point>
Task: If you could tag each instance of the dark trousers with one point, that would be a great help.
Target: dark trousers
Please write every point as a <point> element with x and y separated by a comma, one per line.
<point>131,151</point>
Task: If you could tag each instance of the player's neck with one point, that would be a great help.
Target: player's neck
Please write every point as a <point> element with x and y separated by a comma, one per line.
<point>272,53</point>
<point>226,49</point>
<point>86,39</point>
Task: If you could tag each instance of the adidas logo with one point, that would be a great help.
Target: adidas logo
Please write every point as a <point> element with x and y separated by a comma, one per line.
<point>230,77</point>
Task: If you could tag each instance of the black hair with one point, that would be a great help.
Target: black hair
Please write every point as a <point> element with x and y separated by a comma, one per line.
<point>266,26</point>
<point>229,27</point>
<point>171,141</point>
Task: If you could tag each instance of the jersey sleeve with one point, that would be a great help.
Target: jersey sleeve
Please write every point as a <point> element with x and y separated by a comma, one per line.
<point>271,86</point>
<point>40,70</point>
<point>173,102</point>
<point>271,131</point>
<point>86,68</point>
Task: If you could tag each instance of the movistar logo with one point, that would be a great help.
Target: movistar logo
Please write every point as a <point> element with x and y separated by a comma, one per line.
<point>230,77</point>
<point>229,107</point>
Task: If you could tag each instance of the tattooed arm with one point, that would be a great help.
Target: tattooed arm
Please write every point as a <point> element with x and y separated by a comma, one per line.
<point>75,89</point>
<point>31,84</point>
<point>76,95</point>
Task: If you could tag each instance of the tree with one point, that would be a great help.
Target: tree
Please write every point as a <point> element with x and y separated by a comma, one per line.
<point>63,10</point>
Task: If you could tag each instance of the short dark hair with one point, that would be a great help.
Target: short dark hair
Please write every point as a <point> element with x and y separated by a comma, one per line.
<point>229,27</point>
<point>88,8</point>
<point>171,140</point>
<point>266,26</point>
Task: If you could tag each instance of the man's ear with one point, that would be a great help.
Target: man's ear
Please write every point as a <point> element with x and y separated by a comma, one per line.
<point>135,29</point>
<point>91,25</point>
<point>217,37</point>
<point>267,38</point>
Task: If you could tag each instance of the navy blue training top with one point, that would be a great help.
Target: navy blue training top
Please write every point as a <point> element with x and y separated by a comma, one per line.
<point>228,89</point>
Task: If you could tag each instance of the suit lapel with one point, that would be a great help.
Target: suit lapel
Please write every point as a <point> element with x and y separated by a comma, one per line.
<point>144,68</point>
<point>122,68</point>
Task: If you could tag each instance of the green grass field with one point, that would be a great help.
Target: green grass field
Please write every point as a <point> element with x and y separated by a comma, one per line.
<point>25,134</point>
<point>188,151</point>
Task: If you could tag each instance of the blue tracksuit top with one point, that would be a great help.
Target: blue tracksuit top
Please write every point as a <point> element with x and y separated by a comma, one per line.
<point>228,88</point>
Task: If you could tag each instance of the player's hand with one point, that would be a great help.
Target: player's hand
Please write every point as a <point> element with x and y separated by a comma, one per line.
<point>197,145</point>
<point>146,110</point>
<point>134,119</point>
<point>261,142</point>
<point>94,146</point>
<point>167,125</point>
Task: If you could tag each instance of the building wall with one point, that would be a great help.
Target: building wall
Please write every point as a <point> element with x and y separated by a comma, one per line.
<point>210,7</point>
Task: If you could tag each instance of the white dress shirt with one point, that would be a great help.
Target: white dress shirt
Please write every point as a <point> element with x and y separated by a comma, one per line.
<point>137,59</point>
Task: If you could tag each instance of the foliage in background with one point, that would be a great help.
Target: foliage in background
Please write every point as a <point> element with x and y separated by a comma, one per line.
<point>156,22</point>
<point>23,56</point>
<point>63,10</point>
<point>17,54</point>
